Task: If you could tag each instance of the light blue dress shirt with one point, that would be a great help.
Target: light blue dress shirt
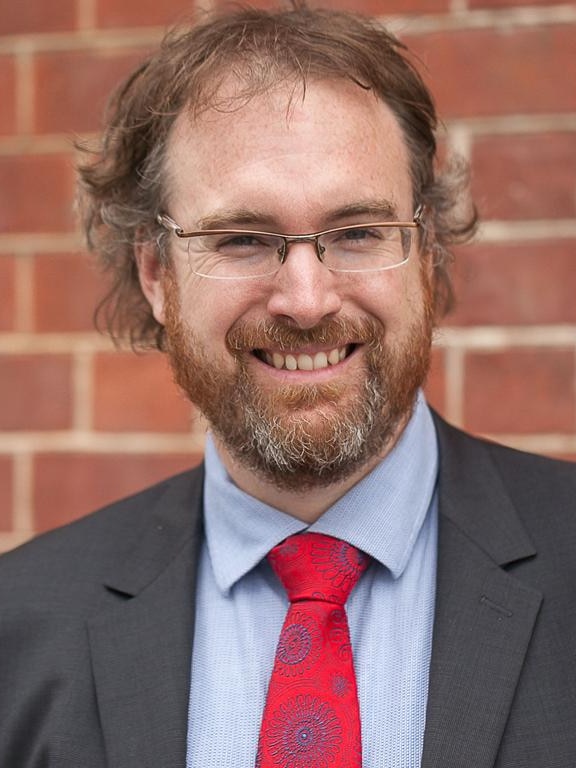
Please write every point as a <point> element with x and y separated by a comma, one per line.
<point>240,606</point>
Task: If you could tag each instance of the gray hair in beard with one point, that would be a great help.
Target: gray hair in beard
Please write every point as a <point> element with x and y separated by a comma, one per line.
<point>297,455</point>
<point>271,433</point>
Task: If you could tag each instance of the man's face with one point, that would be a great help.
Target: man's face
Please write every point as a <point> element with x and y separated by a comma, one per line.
<point>305,376</point>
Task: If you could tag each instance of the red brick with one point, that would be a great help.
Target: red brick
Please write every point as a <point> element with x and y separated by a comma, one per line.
<point>36,193</point>
<point>525,177</point>
<point>67,289</point>
<point>375,7</point>
<point>141,13</point>
<point>565,456</point>
<point>520,391</point>
<point>516,283</point>
<point>474,4</point>
<point>8,292</point>
<point>436,383</point>
<point>33,16</point>
<point>68,486</point>
<point>8,91</point>
<point>6,486</point>
<point>35,392</point>
<point>72,87</point>
<point>475,72</point>
<point>136,393</point>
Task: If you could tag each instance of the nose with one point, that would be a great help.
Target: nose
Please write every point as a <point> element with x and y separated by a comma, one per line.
<point>304,291</point>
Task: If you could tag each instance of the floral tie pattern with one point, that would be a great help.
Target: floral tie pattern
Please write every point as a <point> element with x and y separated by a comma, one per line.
<point>311,718</point>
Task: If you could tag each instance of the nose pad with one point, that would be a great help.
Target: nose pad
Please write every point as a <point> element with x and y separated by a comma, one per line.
<point>282,252</point>
<point>288,241</point>
<point>304,290</point>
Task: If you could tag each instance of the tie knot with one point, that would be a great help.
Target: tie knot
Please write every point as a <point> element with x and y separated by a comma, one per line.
<point>312,566</point>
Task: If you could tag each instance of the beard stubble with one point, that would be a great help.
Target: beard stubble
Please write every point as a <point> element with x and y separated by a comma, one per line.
<point>297,437</point>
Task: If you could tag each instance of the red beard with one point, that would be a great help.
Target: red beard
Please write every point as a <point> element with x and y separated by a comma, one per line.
<point>302,436</point>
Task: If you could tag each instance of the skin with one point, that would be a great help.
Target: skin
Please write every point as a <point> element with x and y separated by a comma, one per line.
<point>294,165</point>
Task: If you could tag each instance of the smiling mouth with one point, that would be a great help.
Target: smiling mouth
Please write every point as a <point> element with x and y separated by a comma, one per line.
<point>294,361</point>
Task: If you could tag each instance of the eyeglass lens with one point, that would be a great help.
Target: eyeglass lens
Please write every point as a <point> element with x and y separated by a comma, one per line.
<point>246,254</point>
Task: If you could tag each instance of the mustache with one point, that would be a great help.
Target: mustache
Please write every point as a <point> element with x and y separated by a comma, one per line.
<point>245,337</point>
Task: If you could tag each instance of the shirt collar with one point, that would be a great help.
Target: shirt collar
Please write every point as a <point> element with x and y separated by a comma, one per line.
<point>381,515</point>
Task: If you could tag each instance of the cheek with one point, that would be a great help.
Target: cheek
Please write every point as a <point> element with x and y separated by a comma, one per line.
<point>212,307</point>
<point>416,283</point>
<point>394,296</point>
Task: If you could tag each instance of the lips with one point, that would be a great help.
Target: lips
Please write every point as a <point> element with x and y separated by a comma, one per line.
<point>294,361</point>
<point>287,348</point>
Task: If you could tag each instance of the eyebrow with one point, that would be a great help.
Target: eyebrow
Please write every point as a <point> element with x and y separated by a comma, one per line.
<point>382,210</point>
<point>228,219</point>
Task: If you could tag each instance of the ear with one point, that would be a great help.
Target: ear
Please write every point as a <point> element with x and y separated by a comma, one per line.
<point>150,273</point>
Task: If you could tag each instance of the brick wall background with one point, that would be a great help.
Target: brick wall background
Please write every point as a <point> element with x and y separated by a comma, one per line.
<point>81,424</point>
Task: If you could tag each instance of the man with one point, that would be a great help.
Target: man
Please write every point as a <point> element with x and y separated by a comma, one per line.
<point>266,200</point>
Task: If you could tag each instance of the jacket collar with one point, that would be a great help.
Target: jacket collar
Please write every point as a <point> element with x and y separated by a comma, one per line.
<point>484,615</point>
<point>142,639</point>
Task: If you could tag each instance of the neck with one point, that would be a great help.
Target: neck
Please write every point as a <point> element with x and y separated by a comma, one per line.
<point>308,504</point>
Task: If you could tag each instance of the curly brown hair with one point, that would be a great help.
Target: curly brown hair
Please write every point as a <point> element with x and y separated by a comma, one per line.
<point>121,188</point>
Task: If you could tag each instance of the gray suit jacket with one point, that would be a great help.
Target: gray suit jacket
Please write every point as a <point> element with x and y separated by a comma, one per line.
<point>96,624</point>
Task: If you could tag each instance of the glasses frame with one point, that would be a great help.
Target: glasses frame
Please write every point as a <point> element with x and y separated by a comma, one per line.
<point>287,240</point>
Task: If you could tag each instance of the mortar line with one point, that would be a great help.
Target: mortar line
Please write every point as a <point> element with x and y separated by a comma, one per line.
<point>23,519</point>
<point>25,101</point>
<point>83,389</point>
<point>86,15</point>
<point>24,310</point>
<point>455,358</point>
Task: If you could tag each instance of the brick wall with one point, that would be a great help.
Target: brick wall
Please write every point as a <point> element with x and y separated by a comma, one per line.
<point>81,424</point>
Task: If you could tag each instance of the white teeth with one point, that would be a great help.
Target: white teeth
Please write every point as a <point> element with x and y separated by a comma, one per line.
<point>320,361</point>
<point>334,357</point>
<point>305,362</point>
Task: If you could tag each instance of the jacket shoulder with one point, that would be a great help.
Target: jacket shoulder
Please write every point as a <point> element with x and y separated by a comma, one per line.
<point>86,548</point>
<point>519,469</point>
<point>541,490</point>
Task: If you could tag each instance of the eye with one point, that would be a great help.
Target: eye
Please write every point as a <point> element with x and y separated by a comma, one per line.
<point>240,240</point>
<point>360,236</point>
<point>242,243</point>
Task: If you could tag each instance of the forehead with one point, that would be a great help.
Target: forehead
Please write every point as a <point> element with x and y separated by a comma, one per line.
<point>288,151</point>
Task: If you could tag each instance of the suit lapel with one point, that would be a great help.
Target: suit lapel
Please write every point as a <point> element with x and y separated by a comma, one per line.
<point>141,643</point>
<point>484,616</point>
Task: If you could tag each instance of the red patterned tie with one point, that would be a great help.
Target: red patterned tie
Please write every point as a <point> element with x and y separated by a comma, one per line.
<point>311,718</point>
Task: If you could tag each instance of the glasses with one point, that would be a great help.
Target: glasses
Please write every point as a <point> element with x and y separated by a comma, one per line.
<point>230,254</point>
